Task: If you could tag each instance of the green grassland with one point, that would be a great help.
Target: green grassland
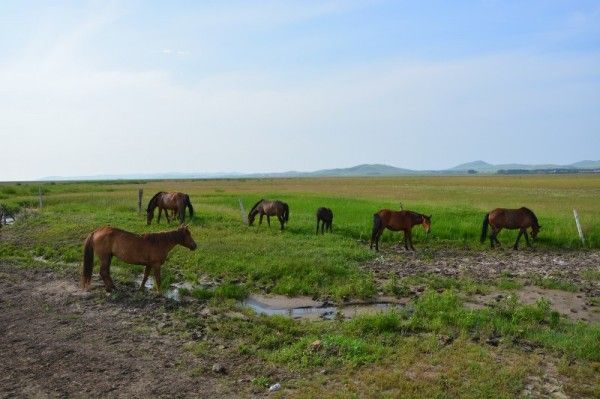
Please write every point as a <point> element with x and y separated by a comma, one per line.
<point>297,261</point>
<point>436,347</point>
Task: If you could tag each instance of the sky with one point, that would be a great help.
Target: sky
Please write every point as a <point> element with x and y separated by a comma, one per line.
<point>100,87</point>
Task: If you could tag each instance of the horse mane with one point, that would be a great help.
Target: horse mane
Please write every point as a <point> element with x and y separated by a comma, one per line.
<point>530,212</point>
<point>152,202</point>
<point>255,205</point>
<point>157,238</point>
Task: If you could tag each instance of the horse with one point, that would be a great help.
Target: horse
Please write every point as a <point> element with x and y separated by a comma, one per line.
<point>325,216</point>
<point>269,208</point>
<point>396,221</point>
<point>501,218</point>
<point>177,202</point>
<point>149,250</point>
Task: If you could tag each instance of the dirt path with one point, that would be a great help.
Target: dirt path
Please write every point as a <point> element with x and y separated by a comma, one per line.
<point>57,341</point>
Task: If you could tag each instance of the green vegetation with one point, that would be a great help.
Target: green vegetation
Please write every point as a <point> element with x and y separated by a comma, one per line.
<point>434,347</point>
<point>296,262</point>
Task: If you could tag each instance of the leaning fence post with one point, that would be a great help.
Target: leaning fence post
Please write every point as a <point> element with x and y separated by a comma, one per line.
<point>579,230</point>
<point>140,194</point>
<point>243,212</point>
<point>40,196</point>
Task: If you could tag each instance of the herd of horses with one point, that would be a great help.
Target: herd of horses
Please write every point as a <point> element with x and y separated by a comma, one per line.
<point>150,250</point>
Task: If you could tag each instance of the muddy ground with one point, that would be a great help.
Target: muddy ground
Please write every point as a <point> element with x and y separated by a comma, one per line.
<point>57,341</point>
<point>527,267</point>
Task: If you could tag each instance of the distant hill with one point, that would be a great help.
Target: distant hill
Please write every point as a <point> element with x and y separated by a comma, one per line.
<point>484,167</point>
<point>354,171</point>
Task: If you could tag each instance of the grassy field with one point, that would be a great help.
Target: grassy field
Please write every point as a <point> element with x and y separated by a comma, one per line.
<point>297,261</point>
<point>437,339</point>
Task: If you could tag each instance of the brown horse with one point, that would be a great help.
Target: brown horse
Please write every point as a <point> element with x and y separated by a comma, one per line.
<point>269,208</point>
<point>396,221</point>
<point>149,250</point>
<point>177,202</point>
<point>325,216</point>
<point>501,218</point>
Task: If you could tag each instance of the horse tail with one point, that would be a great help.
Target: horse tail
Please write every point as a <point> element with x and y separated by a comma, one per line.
<point>188,203</point>
<point>286,212</point>
<point>88,261</point>
<point>376,226</point>
<point>484,228</point>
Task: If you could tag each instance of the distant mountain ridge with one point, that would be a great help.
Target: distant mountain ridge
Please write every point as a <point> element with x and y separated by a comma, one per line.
<point>354,171</point>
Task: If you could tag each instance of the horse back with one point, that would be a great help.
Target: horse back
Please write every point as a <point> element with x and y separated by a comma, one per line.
<point>510,218</point>
<point>395,220</point>
<point>127,246</point>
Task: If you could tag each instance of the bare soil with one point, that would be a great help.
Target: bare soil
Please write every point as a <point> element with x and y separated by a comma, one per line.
<point>58,341</point>
<point>488,266</point>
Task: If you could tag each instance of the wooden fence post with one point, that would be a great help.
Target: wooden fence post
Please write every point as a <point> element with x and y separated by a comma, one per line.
<point>140,194</point>
<point>243,212</point>
<point>579,230</point>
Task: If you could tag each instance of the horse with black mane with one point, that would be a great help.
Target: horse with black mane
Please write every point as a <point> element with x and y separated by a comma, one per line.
<point>269,208</point>
<point>177,202</point>
<point>502,218</point>
<point>325,216</point>
<point>149,250</point>
<point>396,221</point>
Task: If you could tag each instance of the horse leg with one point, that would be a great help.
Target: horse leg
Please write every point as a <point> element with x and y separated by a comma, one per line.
<point>156,270</point>
<point>105,272</point>
<point>282,221</point>
<point>516,246</point>
<point>159,213</point>
<point>405,234</point>
<point>269,220</point>
<point>527,238</point>
<point>410,240</point>
<point>377,237</point>
<point>146,273</point>
<point>330,224</point>
<point>181,214</point>
<point>494,236</point>
<point>260,220</point>
<point>167,216</point>
<point>323,227</point>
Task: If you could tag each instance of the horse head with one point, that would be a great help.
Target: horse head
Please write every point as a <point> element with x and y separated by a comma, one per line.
<point>426,222</point>
<point>535,229</point>
<point>187,240</point>
<point>149,216</point>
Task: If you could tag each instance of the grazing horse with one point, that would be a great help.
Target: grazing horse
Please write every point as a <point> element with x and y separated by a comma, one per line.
<point>177,202</point>
<point>501,218</point>
<point>269,208</point>
<point>396,221</point>
<point>325,216</point>
<point>149,250</point>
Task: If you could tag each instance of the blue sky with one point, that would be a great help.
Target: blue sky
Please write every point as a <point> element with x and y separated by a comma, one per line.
<point>127,87</point>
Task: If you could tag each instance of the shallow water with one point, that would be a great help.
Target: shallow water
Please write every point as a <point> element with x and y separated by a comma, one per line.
<point>260,306</point>
<point>296,308</point>
<point>172,292</point>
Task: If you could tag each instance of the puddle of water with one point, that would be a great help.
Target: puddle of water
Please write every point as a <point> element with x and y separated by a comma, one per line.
<point>316,312</point>
<point>296,308</point>
<point>172,292</point>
